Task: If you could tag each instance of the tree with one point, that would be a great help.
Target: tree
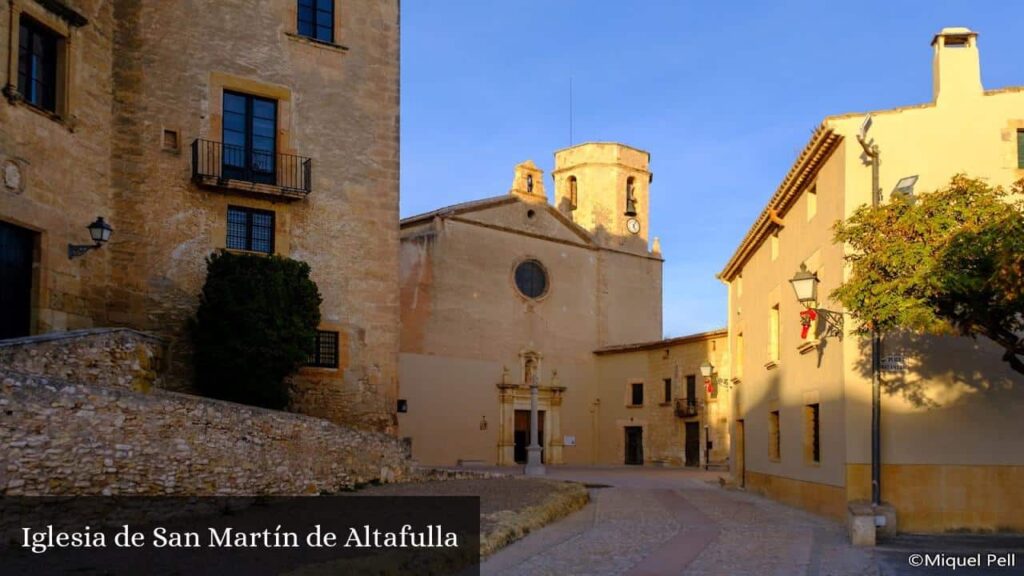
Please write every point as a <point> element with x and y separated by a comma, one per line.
<point>256,324</point>
<point>950,261</point>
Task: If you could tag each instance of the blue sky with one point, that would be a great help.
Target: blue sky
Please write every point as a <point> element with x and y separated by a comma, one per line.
<point>723,95</point>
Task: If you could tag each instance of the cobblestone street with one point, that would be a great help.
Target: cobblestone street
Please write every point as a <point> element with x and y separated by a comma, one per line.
<point>655,521</point>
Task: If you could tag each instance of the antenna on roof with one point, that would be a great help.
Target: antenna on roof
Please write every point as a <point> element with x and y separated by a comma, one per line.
<point>570,110</point>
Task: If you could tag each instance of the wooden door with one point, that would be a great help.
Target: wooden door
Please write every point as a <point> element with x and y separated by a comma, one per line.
<point>634,445</point>
<point>521,434</point>
<point>741,457</point>
<point>16,245</point>
<point>693,444</point>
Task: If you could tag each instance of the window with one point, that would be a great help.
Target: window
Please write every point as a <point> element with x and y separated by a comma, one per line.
<point>249,138</point>
<point>37,64</point>
<point>636,394</point>
<point>691,389</point>
<point>250,229</point>
<point>812,434</point>
<point>630,197</point>
<point>573,198</point>
<point>668,390</point>
<point>773,335</point>
<point>531,279</point>
<point>170,140</point>
<point>1020,148</point>
<point>316,19</point>
<point>325,353</point>
<point>774,438</point>
<point>812,202</point>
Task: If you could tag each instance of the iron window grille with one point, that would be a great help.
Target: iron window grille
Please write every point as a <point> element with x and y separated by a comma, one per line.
<point>37,64</point>
<point>316,19</point>
<point>325,352</point>
<point>250,229</point>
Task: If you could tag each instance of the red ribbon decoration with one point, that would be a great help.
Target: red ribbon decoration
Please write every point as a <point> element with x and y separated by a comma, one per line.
<point>807,317</point>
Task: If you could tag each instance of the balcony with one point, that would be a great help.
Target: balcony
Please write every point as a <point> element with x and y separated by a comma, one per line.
<point>686,408</point>
<point>227,167</point>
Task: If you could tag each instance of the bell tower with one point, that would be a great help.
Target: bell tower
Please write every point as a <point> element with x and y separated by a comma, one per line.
<point>605,188</point>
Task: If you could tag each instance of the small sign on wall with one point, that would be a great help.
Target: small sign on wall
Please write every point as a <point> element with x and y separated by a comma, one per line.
<point>569,441</point>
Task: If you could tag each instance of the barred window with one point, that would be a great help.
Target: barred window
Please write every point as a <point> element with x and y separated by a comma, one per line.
<point>325,353</point>
<point>250,229</point>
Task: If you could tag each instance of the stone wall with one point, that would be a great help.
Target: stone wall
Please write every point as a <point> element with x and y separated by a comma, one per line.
<point>118,357</point>
<point>60,438</point>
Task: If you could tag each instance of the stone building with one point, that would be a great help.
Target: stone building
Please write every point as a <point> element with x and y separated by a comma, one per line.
<point>268,126</point>
<point>502,292</point>
<point>950,424</point>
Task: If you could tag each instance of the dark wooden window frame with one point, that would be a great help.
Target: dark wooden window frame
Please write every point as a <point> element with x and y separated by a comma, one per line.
<point>308,23</point>
<point>636,394</point>
<point>247,239</point>
<point>38,87</point>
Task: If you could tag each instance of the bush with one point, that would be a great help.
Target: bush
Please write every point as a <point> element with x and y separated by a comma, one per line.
<point>256,324</point>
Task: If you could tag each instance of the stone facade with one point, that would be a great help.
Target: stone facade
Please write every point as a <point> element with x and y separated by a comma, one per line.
<point>676,422</point>
<point>117,357</point>
<point>473,342</point>
<point>62,439</point>
<point>950,424</point>
<point>141,82</point>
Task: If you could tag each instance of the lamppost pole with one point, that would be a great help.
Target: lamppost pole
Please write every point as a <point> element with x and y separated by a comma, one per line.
<point>872,152</point>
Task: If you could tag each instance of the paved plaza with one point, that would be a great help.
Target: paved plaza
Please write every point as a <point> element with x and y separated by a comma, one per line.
<point>659,521</point>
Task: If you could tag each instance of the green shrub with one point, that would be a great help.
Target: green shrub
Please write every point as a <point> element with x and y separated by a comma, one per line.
<point>256,324</point>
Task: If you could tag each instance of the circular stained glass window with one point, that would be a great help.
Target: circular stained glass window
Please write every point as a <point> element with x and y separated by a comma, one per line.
<point>531,279</point>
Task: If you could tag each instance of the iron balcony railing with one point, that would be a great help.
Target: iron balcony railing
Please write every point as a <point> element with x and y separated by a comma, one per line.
<point>238,167</point>
<point>686,408</point>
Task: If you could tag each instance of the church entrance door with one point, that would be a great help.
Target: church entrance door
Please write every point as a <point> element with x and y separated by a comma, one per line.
<point>522,434</point>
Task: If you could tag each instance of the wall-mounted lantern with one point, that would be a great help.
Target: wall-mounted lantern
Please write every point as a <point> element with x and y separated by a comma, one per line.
<point>805,284</point>
<point>99,231</point>
<point>707,370</point>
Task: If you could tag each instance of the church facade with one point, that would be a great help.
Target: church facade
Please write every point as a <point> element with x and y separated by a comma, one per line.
<point>501,293</point>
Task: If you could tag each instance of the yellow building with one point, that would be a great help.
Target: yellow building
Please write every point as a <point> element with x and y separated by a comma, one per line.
<point>951,423</point>
<point>266,127</point>
<point>501,292</point>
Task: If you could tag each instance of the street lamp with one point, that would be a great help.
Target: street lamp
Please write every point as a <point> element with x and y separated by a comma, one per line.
<point>99,231</point>
<point>805,284</point>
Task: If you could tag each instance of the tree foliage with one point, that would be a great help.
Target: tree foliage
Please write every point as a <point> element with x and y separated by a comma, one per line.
<point>256,324</point>
<point>949,261</point>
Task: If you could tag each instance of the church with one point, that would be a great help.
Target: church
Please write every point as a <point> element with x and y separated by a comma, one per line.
<point>512,290</point>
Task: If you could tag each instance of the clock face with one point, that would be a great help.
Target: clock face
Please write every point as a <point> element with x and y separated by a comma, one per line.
<point>633,225</point>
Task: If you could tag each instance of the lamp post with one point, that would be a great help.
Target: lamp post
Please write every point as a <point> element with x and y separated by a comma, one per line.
<point>534,466</point>
<point>99,231</point>
<point>872,153</point>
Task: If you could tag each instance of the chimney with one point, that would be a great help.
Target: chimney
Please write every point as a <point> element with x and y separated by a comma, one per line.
<point>956,69</point>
